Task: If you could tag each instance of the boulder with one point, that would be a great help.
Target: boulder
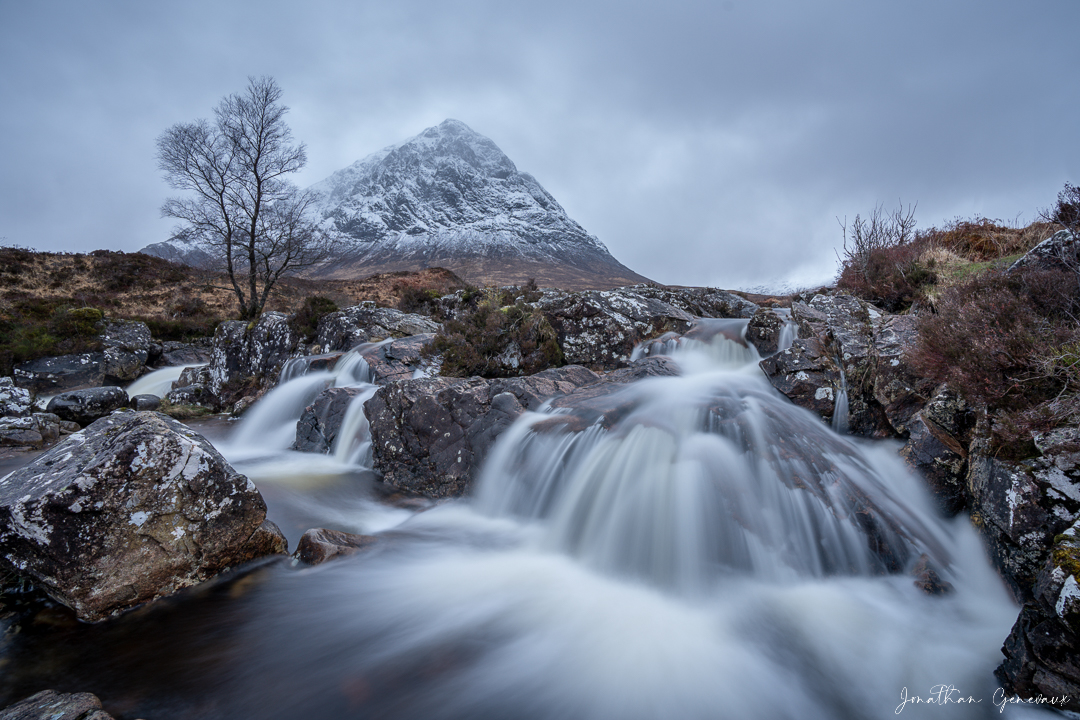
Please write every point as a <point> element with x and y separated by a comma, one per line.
<point>318,546</point>
<point>345,329</point>
<point>399,359</point>
<point>807,375</point>
<point>320,422</point>
<point>127,348</point>
<point>20,432</point>
<point>86,406</point>
<point>180,353</point>
<point>1020,506</point>
<point>1042,653</point>
<point>249,355</point>
<point>430,435</point>
<point>198,395</point>
<point>764,330</point>
<point>1060,251</point>
<point>145,402</point>
<point>65,372</point>
<point>14,401</point>
<point>599,329</point>
<point>134,507</point>
<point>51,705</point>
<point>940,459</point>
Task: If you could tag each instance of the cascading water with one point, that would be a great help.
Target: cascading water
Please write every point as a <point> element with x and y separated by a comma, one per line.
<point>698,549</point>
<point>840,405</point>
<point>158,382</point>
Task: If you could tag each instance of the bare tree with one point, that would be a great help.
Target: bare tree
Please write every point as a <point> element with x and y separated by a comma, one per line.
<point>880,230</point>
<point>239,205</point>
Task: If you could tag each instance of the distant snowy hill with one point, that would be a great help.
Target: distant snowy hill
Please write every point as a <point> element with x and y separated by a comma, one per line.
<point>450,197</point>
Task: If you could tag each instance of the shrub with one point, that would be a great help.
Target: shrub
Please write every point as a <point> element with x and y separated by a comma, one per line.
<point>500,320</point>
<point>893,278</point>
<point>305,322</point>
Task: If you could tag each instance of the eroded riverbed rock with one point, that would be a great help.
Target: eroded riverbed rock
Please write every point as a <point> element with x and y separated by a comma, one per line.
<point>345,329</point>
<point>52,705</point>
<point>319,545</point>
<point>430,435</point>
<point>132,508</point>
<point>14,401</point>
<point>1042,653</point>
<point>127,348</point>
<point>247,356</point>
<point>320,422</point>
<point>64,372</point>
<point>86,406</point>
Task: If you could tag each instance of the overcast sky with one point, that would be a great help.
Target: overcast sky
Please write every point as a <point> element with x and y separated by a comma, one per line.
<point>703,142</point>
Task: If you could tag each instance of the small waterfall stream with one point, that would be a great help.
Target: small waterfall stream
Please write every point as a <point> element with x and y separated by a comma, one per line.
<point>708,551</point>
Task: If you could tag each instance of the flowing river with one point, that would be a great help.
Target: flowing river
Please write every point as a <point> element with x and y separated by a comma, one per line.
<point>708,551</point>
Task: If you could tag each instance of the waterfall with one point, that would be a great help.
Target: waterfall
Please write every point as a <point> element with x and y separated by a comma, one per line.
<point>840,406</point>
<point>158,382</point>
<point>703,549</point>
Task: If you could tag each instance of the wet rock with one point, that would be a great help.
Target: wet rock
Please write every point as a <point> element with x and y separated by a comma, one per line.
<point>399,360</point>
<point>134,507</point>
<point>345,329</point>
<point>320,422</point>
<point>145,402</point>
<point>806,374</point>
<point>86,406</point>
<point>1020,506</point>
<point>927,578</point>
<point>180,353</point>
<point>20,432</point>
<point>1042,653</point>
<point>940,459</point>
<point>703,302</point>
<point>51,705</point>
<point>198,395</point>
<point>899,391</point>
<point>14,401</point>
<point>430,435</point>
<point>198,375</point>
<point>1061,251</point>
<point>65,372</point>
<point>318,546</point>
<point>247,356</point>
<point>599,329</point>
<point>764,330</point>
<point>127,348</point>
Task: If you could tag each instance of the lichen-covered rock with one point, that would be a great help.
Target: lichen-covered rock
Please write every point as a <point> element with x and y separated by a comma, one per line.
<point>51,705</point>
<point>1042,653</point>
<point>345,329</point>
<point>940,459</point>
<point>702,302</point>
<point>1061,251</point>
<point>247,355</point>
<point>319,545</point>
<point>599,329</point>
<point>127,347</point>
<point>765,329</point>
<point>86,406</point>
<point>64,372</point>
<point>132,508</point>
<point>1021,506</point>
<point>14,401</point>
<point>320,422</point>
<point>898,390</point>
<point>20,432</point>
<point>198,395</point>
<point>430,435</point>
<point>181,353</point>
<point>806,374</point>
<point>399,360</point>
<point>145,402</point>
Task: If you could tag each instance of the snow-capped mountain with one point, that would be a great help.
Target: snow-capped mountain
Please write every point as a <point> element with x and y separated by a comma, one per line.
<point>450,197</point>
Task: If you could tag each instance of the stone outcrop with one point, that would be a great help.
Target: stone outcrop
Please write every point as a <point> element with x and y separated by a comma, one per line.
<point>64,372</point>
<point>249,355</point>
<point>52,705</point>
<point>320,422</point>
<point>127,348</point>
<point>345,329</point>
<point>86,406</point>
<point>14,401</point>
<point>847,345</point>
<point>430,435</point>
<point>1061,251</point>
<point>180,353</point>
<point>599,329</point>
<point>764,330</point>
<point>132,508</point>
<point>1042,653</point>
<point>1021,506</point>
<point>399,359</point>
<point>702,302</point>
